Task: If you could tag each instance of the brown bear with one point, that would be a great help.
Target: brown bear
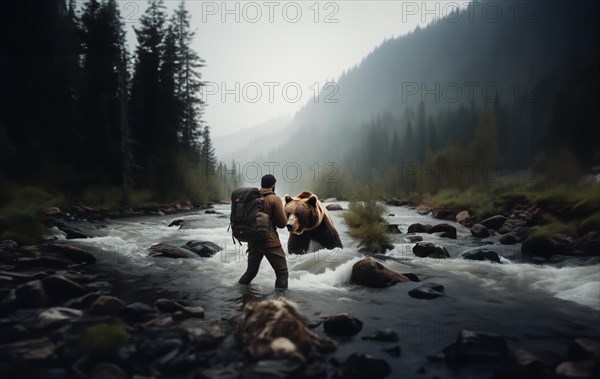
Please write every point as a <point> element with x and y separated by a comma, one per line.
<point>308,220</point>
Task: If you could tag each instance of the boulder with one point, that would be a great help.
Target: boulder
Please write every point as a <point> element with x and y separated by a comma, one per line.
<point>31,295</point>
<point>39,351</point>
<point>494,222</point>
<point>138,312</point>
<point>52,317</point>
<point>413,239</point>
<point>541,246</point>
<point>83,302</point>
<point>443,214</point>
<point>508,239</point>
<point>480,231</point>
<point>72,233</point>
<point>577,369</point>
<point>482,255</point>
<point>427,291</point>
<point>464,218</point>
<point>188,312</point>
<point>204,249</point>
<point>584,348</point>
<point>361,365</point>
<point>370,273</point>
<point>423,210</point>
<point>8,245</point>
<point>61,288</point>
<point>342,325</point>
<point>447,230</point>
<point>107,306</point>
<point>330,200</point>
<point>419,228</point>
<point>166,305</point>
<point>70,252</point>
<point>334,207</point>
<point>430,250</point>
<point>177,222</point>
<point>528,361</point>
<point>169,251</point>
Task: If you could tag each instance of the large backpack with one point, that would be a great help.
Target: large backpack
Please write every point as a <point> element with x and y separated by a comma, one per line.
<point>248,221</point>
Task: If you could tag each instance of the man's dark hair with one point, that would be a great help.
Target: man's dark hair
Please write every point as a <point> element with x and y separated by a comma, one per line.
<point>267,181</point>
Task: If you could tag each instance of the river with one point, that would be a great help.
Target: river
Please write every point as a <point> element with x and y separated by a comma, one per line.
<point>539,308</point>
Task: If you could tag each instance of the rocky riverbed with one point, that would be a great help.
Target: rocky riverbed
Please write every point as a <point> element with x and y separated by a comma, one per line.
<point>140,298</point>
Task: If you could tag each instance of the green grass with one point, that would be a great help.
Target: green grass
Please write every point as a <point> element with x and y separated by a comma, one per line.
<point>104,339</point>
<point>366,224</point>
<point>20,212</point>
<point>551,226</point>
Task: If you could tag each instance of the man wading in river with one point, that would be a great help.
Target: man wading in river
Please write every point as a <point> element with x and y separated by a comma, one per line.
<point>271,246</point>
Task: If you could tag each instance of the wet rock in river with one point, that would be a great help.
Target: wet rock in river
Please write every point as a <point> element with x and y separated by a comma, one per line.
<point>369,272</point>
<point>54,316</point>
<point>203,248</point>
<point>494,222</point>
<point>427,291</point>
<point>419,228</point>
<point>430,250</point>
<point>138,312</point>
<point>508,239</point>
<point>61,288</point>
<point>342,325</point>
<point>188,312</point>
<point>167,305</point>
<point>361,365</point>
<point>334,207</point>
<point>480,231</point>
<point>482,255</point>
<point>70,252</point>
<point>447,230</point>
<point>31,295</point>
<point>107,306</point>
<point>169,251</point>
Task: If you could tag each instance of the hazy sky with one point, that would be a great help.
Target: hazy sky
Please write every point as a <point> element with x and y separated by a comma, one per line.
<point>265,59</point>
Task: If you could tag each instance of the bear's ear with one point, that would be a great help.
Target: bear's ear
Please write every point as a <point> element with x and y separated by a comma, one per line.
<point>288,198</point>
<point>312,200</point>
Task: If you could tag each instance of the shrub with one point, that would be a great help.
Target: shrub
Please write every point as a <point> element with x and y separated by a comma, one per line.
<point>366,224</point>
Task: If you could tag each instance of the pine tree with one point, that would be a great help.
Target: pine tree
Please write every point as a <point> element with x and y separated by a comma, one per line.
<point>208,157</point>
<point>148,132</point>
<point>102,125</point>
<point>187,79</point>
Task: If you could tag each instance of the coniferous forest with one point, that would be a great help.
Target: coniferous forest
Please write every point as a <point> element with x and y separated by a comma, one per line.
<point>86,121</point>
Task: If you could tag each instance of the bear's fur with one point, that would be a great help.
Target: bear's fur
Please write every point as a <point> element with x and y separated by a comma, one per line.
<point>308,220</point>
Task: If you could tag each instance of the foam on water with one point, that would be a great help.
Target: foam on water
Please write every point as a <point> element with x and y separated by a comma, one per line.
<point>128,241</point>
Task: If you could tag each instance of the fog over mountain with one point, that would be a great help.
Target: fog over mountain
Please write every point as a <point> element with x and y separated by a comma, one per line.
<point>535,69</point>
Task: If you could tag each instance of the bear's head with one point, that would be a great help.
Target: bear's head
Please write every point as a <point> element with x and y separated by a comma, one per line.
<point>304,212</point>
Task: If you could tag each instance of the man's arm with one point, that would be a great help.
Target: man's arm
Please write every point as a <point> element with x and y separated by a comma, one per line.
<point>278,215</point>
